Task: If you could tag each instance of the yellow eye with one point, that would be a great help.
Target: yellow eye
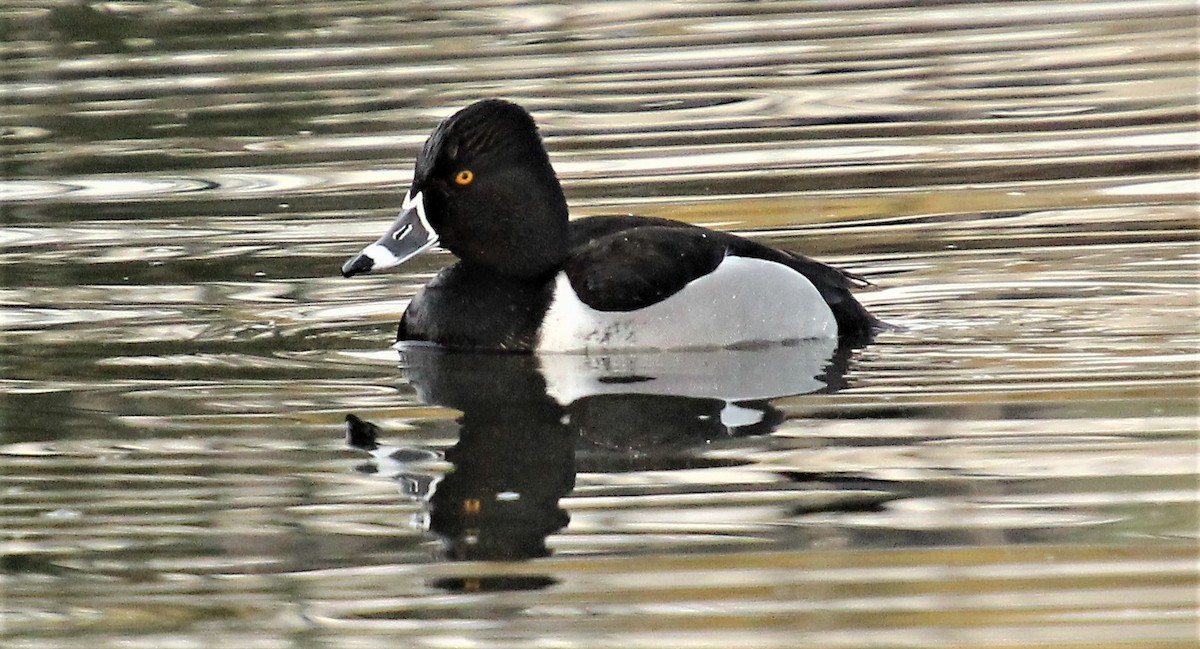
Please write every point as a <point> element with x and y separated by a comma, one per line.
<point>464,177</point>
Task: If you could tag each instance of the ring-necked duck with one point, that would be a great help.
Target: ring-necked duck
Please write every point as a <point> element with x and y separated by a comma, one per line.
<point>528,279</point>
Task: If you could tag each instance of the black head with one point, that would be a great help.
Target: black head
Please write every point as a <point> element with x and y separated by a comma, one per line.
<point>484,189</point>
<point>489,191</point>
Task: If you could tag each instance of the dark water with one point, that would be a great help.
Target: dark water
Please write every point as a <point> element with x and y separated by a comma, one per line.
<point>1017,466</point>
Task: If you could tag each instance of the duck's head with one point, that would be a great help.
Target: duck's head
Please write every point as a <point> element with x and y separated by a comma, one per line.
<point>483,188</point>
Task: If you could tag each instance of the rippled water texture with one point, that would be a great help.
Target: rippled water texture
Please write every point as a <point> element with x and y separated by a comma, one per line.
<point>1016,465</point>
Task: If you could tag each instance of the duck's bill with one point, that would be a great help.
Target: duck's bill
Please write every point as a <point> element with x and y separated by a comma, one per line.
<point>409,236</point>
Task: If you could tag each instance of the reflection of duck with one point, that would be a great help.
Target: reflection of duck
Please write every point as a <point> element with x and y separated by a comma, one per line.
<point>529,423</point>
<point>529,279</point>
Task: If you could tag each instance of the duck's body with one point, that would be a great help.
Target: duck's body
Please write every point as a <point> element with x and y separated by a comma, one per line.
<point>527,279</point>
<point>635,283</point>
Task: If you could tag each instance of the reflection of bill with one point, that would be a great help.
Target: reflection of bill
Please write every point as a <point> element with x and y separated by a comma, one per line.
<point>529,423</point>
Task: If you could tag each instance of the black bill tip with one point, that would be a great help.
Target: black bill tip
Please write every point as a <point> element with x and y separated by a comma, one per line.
<point>357,264</point>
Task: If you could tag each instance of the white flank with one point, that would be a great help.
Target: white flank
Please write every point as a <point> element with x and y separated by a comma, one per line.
<point>743,301</point>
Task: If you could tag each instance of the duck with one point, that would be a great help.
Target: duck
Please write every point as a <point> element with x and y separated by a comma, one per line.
<point>528,278</point>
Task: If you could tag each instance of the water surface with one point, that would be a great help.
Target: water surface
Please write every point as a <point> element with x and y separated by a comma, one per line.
<point>1016,465</point>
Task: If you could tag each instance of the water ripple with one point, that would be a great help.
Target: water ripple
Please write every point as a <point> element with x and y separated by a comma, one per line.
<point>1013,466</point>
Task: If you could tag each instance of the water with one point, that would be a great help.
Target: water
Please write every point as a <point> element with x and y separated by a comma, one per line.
<point>1015,466</point>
